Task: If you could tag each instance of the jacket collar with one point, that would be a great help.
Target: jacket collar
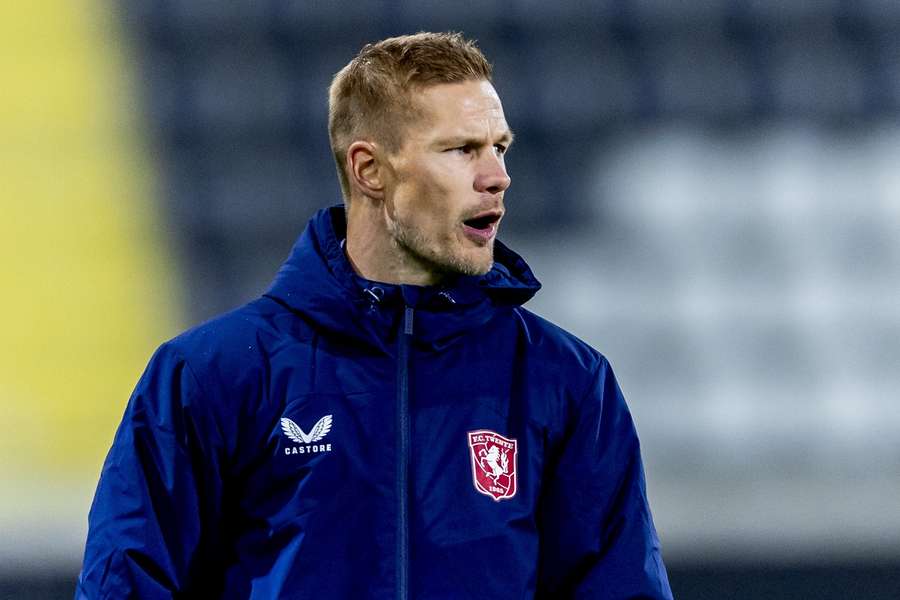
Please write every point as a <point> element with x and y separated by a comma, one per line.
<point>318,282</point>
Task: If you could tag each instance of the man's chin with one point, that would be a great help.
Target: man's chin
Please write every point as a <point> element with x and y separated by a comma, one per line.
<point>472,267</point>
<point>485,269</point>
<point>476,272</point>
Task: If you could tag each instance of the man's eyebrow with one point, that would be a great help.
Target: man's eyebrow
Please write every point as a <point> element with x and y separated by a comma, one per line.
<point>469,140</point>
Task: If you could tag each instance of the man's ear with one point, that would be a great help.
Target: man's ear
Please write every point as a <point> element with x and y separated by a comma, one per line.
<point>364,165</point>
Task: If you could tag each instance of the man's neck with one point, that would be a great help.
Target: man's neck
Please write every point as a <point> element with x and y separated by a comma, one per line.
<point>375,255</point>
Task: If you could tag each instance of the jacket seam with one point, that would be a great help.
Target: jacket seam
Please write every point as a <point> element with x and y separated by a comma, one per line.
<point>571,420</point>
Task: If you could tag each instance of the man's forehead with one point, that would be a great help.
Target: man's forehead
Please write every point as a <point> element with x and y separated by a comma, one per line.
<point>461,106</point>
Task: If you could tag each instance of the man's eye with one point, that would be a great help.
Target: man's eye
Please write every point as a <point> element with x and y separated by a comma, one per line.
<point>500,148</point>
<point>466,149</point>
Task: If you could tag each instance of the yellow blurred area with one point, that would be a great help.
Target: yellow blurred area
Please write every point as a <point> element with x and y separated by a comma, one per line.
<point>87,287</point>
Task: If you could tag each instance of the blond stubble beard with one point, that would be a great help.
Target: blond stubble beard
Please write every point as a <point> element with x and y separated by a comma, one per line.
<point>410,241</point>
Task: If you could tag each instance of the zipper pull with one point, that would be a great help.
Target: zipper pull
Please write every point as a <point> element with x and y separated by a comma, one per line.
<point>408,320</point>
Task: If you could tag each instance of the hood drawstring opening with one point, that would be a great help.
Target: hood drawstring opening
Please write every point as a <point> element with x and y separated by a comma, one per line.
<point>447,297</point>
<point>374,295</point>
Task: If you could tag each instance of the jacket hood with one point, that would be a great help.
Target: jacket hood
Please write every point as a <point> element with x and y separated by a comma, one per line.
<point>318,282</point>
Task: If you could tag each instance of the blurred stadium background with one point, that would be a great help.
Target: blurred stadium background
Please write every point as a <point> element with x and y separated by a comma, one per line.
<point>709,191</point>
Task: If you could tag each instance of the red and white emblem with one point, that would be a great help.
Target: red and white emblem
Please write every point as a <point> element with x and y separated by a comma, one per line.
<point>493,464</point>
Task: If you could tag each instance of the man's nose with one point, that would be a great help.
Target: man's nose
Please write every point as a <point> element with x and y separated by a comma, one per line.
<point>492,177</point>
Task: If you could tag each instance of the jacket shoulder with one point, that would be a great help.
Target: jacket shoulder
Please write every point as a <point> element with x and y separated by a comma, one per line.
<point>229,351</point>
<point>570,371</point>
<point>559,346</point>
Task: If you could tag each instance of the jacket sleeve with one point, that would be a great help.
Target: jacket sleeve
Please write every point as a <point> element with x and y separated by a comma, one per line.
<point>152,521</point>
<point>598,540</point>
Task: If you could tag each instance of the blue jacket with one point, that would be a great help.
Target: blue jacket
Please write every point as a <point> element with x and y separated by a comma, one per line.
<point>339,438</point>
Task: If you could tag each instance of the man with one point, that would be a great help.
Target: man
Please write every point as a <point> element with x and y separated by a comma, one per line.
<point>387,421</point>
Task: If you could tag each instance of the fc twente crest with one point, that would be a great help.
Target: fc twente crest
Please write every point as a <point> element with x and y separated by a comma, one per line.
<point>493,464</point>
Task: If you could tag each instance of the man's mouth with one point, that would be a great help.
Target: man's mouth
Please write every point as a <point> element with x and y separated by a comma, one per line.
<point>484,221</point>
<point>482,228</point>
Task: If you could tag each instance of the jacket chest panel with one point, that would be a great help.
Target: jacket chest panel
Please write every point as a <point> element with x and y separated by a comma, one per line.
<point>322,453</point>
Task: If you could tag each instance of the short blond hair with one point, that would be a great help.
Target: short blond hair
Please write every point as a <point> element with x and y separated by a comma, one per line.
<point>369,98</point>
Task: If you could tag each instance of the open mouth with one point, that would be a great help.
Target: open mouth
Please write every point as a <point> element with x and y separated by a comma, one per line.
<point>483,222</point>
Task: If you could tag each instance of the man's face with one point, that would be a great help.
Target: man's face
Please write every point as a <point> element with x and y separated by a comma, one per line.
<point>444,202</point>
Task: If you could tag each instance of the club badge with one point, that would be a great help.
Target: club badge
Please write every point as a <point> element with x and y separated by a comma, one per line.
<point>493,464</point>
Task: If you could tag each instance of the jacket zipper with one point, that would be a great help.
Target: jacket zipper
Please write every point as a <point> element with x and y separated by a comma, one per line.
<point>403,454</point>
